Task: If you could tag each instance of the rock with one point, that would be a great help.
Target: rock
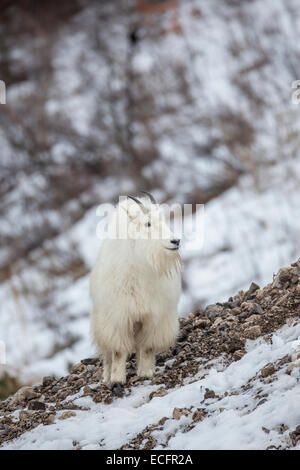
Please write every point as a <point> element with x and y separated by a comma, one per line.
<point>26,414</point>
<point>30,394</point>
<point>237,355</point>
<point>78,368</point>
<point>253,332</point>
<point>198,415</point>
<point>282,278</point>
<point>247,306</point>
<point>231,318</point>
<point>234,344</point>
<point>291,367</point>
<point>212,311</point>
<point>269,369</point>
<point>87,390</point>
<point>202,322</point>
<point>36,405</point>
<point>161,392</point>
<point>217,322</point>
<point>67,415</point>
<point>62,395</point>
<point>161,358</point>
<point>90,361</point>
<point>98,398</point>
<point>253,318</point>
<point>295,279</point>
<point>295,438</point>
<point>50,419</point>
<point>224,326</point>
<point>49,380</point>
<point>98,375</point>
<point>261,402</point>
<point>284,360</point>
<point>134,379</point>
<point>281,428</point>
<point>295,355</point>
<point>182,335</point>
<point>253,288</point>
<point>107,399</point>
<point>236,311</point>
<point>72,378</point>
<point>150,444</point>
<point>24,394</point>
<point>209,394</point>
<point>80,383</point>
<point>257,309</point>
<point>242,316</point>
<point>162,421</point>
<point>178,412</point>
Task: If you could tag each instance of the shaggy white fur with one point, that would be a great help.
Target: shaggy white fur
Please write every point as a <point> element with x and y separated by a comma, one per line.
<point>135,287</point>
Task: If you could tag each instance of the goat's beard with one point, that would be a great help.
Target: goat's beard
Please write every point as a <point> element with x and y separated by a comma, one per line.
<point>165,262</point>
<point>162,261</point>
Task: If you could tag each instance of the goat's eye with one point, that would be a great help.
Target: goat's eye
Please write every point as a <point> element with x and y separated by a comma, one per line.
<point>148,224</point>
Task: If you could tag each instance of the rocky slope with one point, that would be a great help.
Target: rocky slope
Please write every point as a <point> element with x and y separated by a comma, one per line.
<point>225,338</point>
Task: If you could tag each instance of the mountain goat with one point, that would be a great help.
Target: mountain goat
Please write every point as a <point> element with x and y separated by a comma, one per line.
<point>135,287</point>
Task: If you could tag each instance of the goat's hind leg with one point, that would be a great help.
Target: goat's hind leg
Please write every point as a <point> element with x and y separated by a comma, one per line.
<point>145,362</point>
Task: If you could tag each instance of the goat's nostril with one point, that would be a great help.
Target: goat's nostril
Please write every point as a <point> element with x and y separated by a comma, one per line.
<point>175,241</point>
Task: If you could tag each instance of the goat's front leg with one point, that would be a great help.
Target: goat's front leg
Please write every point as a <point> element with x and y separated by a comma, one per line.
<point>145,362</point>
<point>118,368</point>
<point>107,362</point>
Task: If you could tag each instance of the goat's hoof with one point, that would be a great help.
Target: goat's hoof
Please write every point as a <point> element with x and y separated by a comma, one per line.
<point>117,389</point>
<point>145,375</point>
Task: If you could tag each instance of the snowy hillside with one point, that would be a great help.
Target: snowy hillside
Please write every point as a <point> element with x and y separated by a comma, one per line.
<point>231,382</point>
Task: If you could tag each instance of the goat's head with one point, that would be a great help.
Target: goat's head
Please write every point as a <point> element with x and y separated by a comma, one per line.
<point>148,231</point>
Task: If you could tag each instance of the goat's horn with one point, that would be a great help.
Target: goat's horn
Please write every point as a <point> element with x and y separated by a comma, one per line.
<point>138,202</point>
<point>150,197</point>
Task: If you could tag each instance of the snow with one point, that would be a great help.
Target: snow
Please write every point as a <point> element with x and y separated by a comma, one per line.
<point>142,63</point>
<point>238,426</point>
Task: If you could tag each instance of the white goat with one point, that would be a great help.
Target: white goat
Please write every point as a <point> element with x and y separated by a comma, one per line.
<point>135,287</point>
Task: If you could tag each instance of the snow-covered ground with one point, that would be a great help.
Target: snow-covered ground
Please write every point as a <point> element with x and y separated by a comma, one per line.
<point>248,412</point>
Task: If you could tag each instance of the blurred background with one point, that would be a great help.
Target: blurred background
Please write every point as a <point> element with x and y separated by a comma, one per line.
<point>188,99</point>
